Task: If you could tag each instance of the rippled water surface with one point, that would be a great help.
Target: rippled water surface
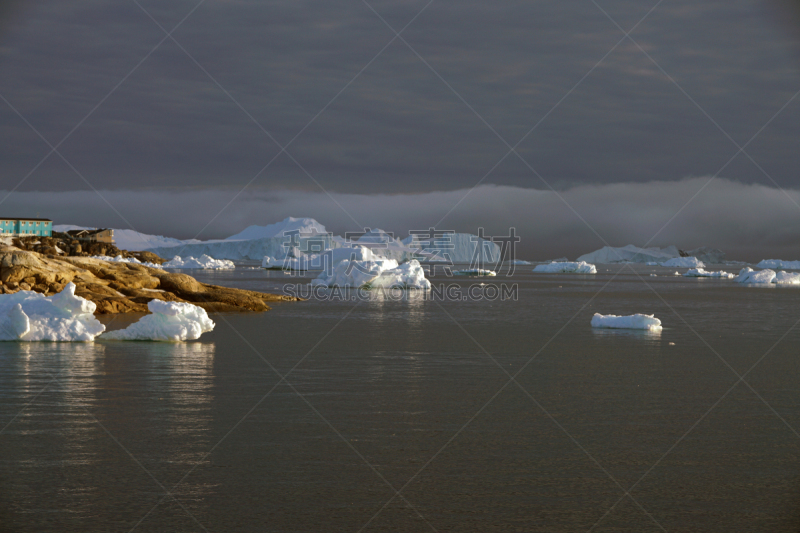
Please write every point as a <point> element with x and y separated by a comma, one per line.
<point>616,431</point>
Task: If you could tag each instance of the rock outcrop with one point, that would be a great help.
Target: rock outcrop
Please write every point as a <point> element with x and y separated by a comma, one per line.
<point>64,244</point>
<point>120,287</point>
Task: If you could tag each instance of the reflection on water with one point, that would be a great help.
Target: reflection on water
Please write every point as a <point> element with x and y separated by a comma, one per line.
<point>643,334</point>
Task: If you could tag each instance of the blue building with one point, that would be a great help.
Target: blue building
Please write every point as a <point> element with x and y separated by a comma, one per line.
<point>26,227</point>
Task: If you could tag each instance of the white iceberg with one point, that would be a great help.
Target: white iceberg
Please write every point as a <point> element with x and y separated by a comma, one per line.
<point>702,273</point>
<point>297,260</point>
<point>169,321</point>
<point>458,248</point>
<point>30,316</point>
<point>474,272</point>
<point>779,263</point>
<point>580,267</point>
<point>379,273</point>
<point>684,262</point>
<point>630,254</point>
<point>204,261</point>
<point>637,321</point>
<point>767,276</point>
<point>519,262</point>
<point>279,229</point>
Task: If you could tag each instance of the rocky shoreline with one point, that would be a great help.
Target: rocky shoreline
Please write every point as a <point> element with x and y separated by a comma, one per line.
<point>120,287</point>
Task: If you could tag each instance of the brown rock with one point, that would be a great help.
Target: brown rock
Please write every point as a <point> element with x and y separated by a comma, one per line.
<point>24,286</point>
<point>15,274</point>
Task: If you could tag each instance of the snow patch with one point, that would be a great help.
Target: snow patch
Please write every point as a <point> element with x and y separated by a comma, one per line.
<point>120,259</point>
<point>637,321</point>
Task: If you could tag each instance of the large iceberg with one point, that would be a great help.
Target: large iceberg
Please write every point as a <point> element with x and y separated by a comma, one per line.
<point>634,254</point>
<point>637,321</point>
<point>204,261</point>
<point>169,321</point>
<point>579,267</point>
<point>779,263</point>
<point>279,229</point>
<point>297,260</point>
<point>458,248</point>
<point>630,254</point>
<point>30,316</point>
<point>684,262</point>
<point>379,273</point>
<point>702,273</point>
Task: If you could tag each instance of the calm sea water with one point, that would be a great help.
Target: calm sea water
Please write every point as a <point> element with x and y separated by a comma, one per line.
<point>416,396</point>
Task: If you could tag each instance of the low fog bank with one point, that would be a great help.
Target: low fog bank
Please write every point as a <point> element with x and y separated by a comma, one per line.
<point>749,222</point>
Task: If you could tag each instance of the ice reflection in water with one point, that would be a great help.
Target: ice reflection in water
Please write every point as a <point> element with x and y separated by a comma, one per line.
<point>642,334</point>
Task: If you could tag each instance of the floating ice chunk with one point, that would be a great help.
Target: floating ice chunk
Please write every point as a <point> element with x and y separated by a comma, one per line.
<point>204,261</point>
<point>30,316</point>
<point>684,262</point>
<point>787,278</point>
<point>637,321</point>
<point>120,259</point>
<point>676,273</point>
<point>702,273</point>
<point>779,263</point>
<point>321,261</point>
<point>651,263</point>
<point>475,272</point>
<point>169,321</point>
<point>748,275</point>
<point>385,273</point>
<point>570,267</point>
<point>519,262</point>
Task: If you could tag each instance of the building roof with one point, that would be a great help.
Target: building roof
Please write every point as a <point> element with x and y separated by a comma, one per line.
<point>26,218</point>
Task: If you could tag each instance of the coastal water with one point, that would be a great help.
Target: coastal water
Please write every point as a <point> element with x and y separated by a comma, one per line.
<point>485,415</point>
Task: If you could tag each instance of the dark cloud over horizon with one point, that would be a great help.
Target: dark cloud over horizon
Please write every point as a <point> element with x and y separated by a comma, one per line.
<point>398,128</point>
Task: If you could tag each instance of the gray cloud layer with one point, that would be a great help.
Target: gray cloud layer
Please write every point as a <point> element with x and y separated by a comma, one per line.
<point>397,127</point>
<point>749,222</point>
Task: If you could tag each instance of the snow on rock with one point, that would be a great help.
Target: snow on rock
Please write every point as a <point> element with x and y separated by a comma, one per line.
<point>475,272</point>
<point>459,248</point>
<point>169,321</point>
<point>120,259</point>
<point>378,273</point>
<point>702,273</point>
<point>779,263</point>
<point>279,229</point>
<point>630,254</point>
<point>203,261</point>
<point>684,262</point>
<point>580,267</point>
<point>637,321</point>
<point>30,316</point>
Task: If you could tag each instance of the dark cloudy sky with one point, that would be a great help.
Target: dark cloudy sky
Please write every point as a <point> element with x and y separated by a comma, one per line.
<point>422,118</point>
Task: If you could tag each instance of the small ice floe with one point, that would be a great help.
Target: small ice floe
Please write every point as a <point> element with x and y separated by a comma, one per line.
<point>654,275</point>
<point>30,316</point>
<point>779,263</point>
<point>474,272</point>
<point>637,321</point>
<point>702,273</point>
<point>684,262</point>
<point>767,276</point>
<point>379,273</point>
<point>676,273</point>
<point>204,261</point>
<point>651,264</point>
<point>169,321</point>
<point>120,259</point>
<point>519,262</point>
<point>567,267</point>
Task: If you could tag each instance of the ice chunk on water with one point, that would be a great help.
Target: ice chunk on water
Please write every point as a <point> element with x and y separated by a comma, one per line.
<point>475,272</point>
<point>385,273</point>
<point>748,275</point>
<point>204,261</point>
<point>702,273</point>
<point>30,316</point>
<point>169,321</point>
<point>580,267</point>
<point>779,263</point>
<point>637,321</point>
